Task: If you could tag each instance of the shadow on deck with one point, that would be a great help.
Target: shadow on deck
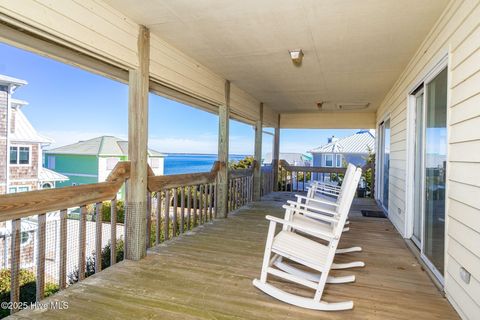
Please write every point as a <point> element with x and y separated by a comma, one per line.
<point>208,275</point>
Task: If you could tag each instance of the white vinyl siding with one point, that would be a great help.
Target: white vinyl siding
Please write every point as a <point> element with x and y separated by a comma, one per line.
<point>458,33</point>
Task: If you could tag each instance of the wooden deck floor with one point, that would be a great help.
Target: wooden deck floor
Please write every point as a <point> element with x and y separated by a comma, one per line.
<point>208,275</point>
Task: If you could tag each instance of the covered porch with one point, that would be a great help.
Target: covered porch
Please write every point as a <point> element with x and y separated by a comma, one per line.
<point>207,274</point>
<point>194,242</point>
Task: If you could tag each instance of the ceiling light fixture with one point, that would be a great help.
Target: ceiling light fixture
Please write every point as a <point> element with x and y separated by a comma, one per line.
<point>297,56</point>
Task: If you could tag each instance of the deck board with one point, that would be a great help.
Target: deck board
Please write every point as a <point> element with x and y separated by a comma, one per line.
<point>207,274</point>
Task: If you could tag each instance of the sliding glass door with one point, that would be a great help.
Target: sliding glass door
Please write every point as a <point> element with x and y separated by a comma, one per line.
<point>430,171</point>
<point>435,170</point>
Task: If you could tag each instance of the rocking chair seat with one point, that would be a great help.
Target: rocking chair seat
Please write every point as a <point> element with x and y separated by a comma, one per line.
<point>300,249</point>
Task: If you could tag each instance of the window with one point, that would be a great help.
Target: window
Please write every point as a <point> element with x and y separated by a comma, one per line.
<point>111,163</point>
<point>154,163</point>
<point>25,238</point>
<point>51,162</point>
<point>47,185</point>
<point>329,160</point>
<point>19,155</point>
<point>338,160</point>
<point>18,189</point>
<point>13,155</point>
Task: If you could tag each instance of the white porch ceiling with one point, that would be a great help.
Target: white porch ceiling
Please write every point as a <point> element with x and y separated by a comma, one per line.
<point>354,50</point>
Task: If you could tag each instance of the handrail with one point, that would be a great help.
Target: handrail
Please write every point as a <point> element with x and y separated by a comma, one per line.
<point>284,164</point>
<point>157,183</point>
<point>238,173</point>
<point>21,205</point>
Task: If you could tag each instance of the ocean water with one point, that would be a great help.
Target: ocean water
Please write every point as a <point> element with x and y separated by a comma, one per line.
<point>176,163</point>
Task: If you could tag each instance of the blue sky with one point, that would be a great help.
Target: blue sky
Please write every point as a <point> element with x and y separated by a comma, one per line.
<point>69,104</point>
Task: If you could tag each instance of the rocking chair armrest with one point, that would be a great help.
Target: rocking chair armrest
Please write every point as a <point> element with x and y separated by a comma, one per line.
<point>310,231</point>
<point>327,186</point>
<point>328,193</point>
<point>309,207</point>
<point>311,214</point>
<point>317,200</point>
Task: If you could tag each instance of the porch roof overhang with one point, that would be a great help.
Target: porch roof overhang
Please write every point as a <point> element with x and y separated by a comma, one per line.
<point>354,51</point>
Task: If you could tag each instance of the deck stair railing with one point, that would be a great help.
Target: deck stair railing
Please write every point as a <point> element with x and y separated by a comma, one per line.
<point>59,236</point>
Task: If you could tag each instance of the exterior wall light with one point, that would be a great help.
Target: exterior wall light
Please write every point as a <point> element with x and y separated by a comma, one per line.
<point>297,56</point>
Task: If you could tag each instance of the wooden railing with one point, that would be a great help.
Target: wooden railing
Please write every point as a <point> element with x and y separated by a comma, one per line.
<point>178,203</point>
<point>240,187</point>
<point>267,179</point>
<point>175,205</point>
<point>298,178</point>
<point>34,218</point>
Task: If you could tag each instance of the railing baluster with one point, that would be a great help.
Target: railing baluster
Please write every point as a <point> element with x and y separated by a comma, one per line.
<point>62,266</point>
<point>215,198</point>
<point>205,205</point>
<point>304,180</point>
<point>15,265</point>
<point>210,201</point>
<point>166,217</point>
<point>194,215</point>
<point>149,220</point>
<point>40,261</point>
<point>158,211</point>
<point>175,207</point>
<point>82,230</point>
<point>182,209</point>
<point>113,231</point>
<point>98,237</point>
<point>189,206</point>
<point>200,206</point>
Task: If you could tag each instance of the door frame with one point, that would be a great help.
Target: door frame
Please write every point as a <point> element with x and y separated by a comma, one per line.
<point>431,72</point>
<point>379,162</point>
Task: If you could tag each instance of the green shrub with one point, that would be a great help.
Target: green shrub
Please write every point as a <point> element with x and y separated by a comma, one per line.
<point>27,288</point>
<point>73,277</point>
<point>106,211</point>
<point>241,164</point>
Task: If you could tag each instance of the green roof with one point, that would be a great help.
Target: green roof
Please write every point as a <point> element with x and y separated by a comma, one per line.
<point>100,146</point>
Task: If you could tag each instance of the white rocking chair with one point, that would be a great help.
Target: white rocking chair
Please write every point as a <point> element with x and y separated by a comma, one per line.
<point>309,253</point>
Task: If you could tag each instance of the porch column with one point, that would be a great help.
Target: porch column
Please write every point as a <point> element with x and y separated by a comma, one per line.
<point>223,137</point>
<point>136,204</point>
<point>257,172</point>
<point>276,155</point>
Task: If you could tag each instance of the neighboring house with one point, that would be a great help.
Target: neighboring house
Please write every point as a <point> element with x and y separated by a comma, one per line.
<point>294,159</point>
<point>338,153</point>
<point>20,167</point>
<point>91,161</point>
<point>21,145</point>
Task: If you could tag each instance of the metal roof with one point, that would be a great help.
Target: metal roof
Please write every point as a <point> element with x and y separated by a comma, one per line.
<point>100,146</point>
<point>50,175</point>
<point>361,142</point>
<point>11,80</point>
<point>25,132</point>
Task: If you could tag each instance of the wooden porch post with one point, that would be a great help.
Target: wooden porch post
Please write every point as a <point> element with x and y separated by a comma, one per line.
<point>223,137</point>
<point>137,150</point>
<point>276,155</point>
<point>257,170</point>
